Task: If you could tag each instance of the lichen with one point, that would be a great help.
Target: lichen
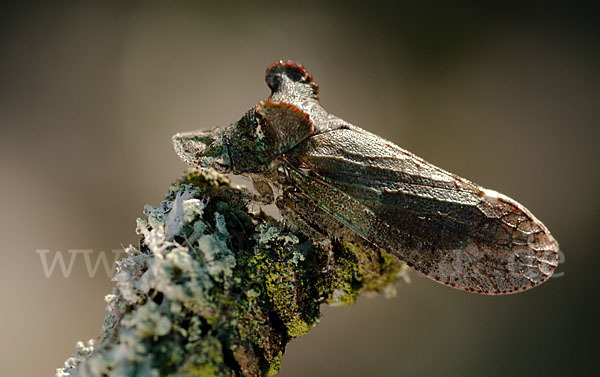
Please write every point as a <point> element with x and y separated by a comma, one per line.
<point>214,289</point>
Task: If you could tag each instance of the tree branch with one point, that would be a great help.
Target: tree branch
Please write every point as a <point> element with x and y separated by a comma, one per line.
<point>216,290</point>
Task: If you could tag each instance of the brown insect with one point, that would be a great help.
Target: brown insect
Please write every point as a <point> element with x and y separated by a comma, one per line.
<point>335,180</point>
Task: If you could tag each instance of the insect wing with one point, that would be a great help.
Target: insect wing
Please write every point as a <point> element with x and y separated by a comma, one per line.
<point>444,226</point>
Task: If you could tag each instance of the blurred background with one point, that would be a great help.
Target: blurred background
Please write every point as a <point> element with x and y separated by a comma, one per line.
<point>504,95</point>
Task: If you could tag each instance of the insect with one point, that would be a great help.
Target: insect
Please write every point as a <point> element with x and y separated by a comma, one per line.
<point>336,180</point>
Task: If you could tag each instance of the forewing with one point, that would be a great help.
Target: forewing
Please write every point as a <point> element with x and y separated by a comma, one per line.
<point>442,225</point>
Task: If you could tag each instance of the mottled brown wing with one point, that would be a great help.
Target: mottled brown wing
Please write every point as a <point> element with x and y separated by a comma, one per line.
<point>444,226</point>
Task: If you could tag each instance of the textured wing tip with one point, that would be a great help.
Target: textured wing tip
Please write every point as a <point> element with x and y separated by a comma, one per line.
<point>527,277</point>
<point>496,272</point>
<point>294,71</point>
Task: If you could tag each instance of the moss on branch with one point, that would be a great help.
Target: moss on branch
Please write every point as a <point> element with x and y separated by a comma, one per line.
<point>214,289</point>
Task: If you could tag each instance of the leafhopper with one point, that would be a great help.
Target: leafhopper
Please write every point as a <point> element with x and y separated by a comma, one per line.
<point>332,179</point>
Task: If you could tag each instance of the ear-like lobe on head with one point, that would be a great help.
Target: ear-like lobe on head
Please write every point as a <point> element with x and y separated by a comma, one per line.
<point>290,81</point>
<point>283,124</point>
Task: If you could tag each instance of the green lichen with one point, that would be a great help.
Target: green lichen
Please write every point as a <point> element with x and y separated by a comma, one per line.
<point>216,290</point>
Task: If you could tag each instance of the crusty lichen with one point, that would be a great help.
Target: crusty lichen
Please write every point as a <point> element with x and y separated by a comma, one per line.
<point>216,290</point>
